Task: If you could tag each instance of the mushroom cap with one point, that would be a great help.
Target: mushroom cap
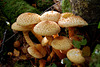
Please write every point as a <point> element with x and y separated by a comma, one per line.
<point>46,28</point>
<point>66,15</point>
<point>26,19</point>
<point>50,16</point>
<point>61,43</point>
<point>72,21</point>
<point>34,52</point>
<point>75,56</point>
<point>17,27</point>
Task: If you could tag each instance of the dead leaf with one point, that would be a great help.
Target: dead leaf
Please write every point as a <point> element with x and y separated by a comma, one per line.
<point>86,51</point>
<point>16,53</point>
<point>23,57</point>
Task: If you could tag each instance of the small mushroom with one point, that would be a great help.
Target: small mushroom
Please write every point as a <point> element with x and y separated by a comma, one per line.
<point>25,30</point>
<point>33,51</point>
<point>50,16</point>
<point>37,51</point>
<point>75,56</point>
<point>61,43</point>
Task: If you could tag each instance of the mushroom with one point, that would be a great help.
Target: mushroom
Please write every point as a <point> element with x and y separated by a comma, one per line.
<point>42,63</point>
<point>26,19</point>
<point>29,19</point>
<point>61,43</point>
<point>37,51</point>
<point>75,56</point>
<point>17,27</point>
<point>50,16</point>
<point>25,30</point>
<point>47,28</point>
<point>72,22</point>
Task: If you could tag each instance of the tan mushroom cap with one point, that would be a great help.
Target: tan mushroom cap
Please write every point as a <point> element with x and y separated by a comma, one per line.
<point>75,56</point>
<point>26,19</point>
<point>46,28</point>
<point>72,21</point>
<point>37,51</point>
<point>33,51</point>
<point>61,43</point>
<point>66,15</point>
<point>50,16</point>
<point>17,27</point>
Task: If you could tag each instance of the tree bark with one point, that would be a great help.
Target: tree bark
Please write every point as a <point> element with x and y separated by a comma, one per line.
<point>87,9</point>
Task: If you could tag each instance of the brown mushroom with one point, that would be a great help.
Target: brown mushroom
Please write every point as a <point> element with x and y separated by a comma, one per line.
<point>50,16</point>
<point>47,28</point>
<point>75,56</point>
<point>71,22</point>
<point>37,51</point>
<point>17,27</point>
<point>29,19</point>
<point>26,19</point>
<point>61,43</point>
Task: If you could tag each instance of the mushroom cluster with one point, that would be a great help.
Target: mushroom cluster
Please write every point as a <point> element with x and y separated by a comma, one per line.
<point>46,29</point>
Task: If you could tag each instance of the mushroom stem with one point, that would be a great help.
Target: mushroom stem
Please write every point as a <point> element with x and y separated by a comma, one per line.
<point>59,54</point>
<point>27,38</point>
<point>71,31</point>
<point>39,37</point>
<point>50,39</point>
<point>50,56</point>
<point>42,63</point>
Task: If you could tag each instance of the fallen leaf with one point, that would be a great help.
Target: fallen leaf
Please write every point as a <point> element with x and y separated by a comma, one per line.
<point>86,51</point>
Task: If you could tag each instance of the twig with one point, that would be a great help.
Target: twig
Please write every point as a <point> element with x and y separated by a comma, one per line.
<point>2,44</point>
<point>10,37</point>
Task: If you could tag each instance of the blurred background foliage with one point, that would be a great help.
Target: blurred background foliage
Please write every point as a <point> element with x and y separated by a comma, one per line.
<point>11,9</point>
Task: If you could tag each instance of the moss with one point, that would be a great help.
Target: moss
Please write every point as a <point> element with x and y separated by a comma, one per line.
<point>13,8</point>
<point>66,6</point>
<point>44,4</point>
<point>95,57</point>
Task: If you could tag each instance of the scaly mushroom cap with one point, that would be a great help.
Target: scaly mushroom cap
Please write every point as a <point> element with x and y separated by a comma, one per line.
<point>72,21</point>
<point>26,19</point>
<point>75,56</point>
<point>46,28</point>
<point>61,43</point>
<point>17,27</point>
<point>50,16</point>
<point>66,15</point>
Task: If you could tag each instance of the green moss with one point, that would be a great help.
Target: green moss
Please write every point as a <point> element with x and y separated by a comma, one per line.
<point>66,6</point>
<point>95,57</point>
<point>13,8</point>
<point>44,4</point>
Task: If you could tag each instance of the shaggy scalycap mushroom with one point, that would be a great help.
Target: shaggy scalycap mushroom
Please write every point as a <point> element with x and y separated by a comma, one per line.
<point>50,16</point>
<point>72,21</point>
<point>75,56</point>
<point>61,43</point>
<point>46,28</point>
<point>26,19</point>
